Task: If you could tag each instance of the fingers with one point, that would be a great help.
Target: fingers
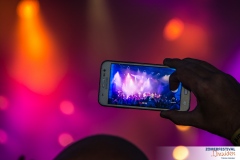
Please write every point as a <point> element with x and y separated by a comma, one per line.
<point>215,91</point>
<point>174,82</point>
<point>190,72</point>
<point>202,64</point>
<point>196,65</point>
<point>174,63</point>
<point>188,78</point>
<point>180,117</point>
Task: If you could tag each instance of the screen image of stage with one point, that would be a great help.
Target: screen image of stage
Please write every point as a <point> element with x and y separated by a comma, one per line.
<point>143,86</point>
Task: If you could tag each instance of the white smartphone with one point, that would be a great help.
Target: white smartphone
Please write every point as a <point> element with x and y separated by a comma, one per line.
<point>140,86</point>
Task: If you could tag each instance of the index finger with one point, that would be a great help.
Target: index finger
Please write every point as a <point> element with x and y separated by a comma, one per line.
<point>203,64</point>
<point>185,73</point>
<point>172,62</point>
<point>188,78</point>
<point>195,64</point>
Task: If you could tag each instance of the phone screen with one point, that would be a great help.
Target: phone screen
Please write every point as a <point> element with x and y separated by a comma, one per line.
<point>142,86</point>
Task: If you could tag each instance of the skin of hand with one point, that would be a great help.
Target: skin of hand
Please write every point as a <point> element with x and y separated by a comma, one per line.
<point>217,94</point>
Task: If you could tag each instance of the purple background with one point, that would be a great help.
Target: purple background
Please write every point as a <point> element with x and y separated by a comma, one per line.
<point>89,32</point>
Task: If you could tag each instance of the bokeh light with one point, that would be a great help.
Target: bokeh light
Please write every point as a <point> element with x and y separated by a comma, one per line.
<point>101,33</point>
<point>183,128</point>
<point>3,103</point>
<point>180,153</point>
<point>3,136</point>
<point>28,9</point>
<point>67,107</point>
<point>36,62</point>
<point>173,29</point>
<point>199,43</point>
<point>65,139</point>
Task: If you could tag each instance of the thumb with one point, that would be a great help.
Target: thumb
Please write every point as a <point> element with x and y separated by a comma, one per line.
<point>179,117</point>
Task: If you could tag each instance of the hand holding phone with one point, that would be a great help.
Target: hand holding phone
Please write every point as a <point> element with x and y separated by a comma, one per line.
<point>217,110</point>
<point>140,86</point>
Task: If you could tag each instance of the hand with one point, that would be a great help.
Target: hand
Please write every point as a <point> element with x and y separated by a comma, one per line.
<point>217,93</point>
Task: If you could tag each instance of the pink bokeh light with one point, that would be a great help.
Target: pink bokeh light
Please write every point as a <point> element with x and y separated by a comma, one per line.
<point>3,136</point>
<point>67,107</point>
<point>65,139</point>
<point>3,103</point>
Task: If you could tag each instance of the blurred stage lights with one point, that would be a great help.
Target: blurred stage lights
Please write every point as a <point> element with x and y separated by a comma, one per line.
<point>3,103</point>
<point>183,128</point>
<point>67,107</point>
<point>65,139</point>
<point>173,29</point>
<point>3,136</point>
<point>28,9</point>
<point>180,153</point>
<point>37,62</point>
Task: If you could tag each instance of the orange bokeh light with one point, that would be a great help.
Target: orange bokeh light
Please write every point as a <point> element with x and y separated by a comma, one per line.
<point>180,153</point>
<point>65,139</point>
<point>183,128</point>
<point>173,29</point>
<point>67,107</point>
<point>28,9</point>
<point>37,63</point>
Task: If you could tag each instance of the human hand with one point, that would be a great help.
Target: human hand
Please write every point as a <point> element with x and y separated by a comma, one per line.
<point>217,93</point>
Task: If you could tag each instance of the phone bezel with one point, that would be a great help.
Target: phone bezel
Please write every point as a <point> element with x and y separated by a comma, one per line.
<point>105,81</point>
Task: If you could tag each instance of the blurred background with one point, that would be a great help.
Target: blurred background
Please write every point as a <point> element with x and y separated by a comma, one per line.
<point>50,57</point>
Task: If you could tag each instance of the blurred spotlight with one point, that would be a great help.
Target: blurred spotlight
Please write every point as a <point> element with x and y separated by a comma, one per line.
<point>180,153</point>
<point>100,31</point>
<point>65,139</point>
<point>194,40</point>
<point>28,9</point>
<point>67,107</point>
<point>173,29</point>
<point>3,103</point>
<point>3,137</point>
<point>183,128</point>
<point>36,61</point>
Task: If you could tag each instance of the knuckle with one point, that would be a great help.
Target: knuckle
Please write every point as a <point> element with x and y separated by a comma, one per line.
<point>209,84</point>
<point>181,69</point>
<point>203,85</point>
<point>218,78</point>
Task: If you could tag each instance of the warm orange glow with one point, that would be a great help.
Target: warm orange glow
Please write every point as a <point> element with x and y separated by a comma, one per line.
<point>173,29</point>
<point>183,128</point>
<point>67,107</point>
<point>28,9</point>
<point>37,62</point>
<point>180,153</point>
<point>65,139</point>
<point>194,42</point>
<point>101,32</point>
<point>3,136</point>
<point>3,103</point>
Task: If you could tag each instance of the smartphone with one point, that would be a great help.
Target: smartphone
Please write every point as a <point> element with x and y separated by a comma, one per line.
<point>140,86</point>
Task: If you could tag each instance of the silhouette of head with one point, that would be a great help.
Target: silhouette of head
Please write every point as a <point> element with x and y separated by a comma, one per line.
<point>101,147</point>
